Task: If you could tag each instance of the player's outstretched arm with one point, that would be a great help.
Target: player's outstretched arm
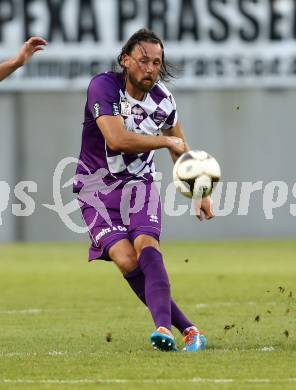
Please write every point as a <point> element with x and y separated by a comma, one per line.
<point>31,46</point>
<point>119,139</point>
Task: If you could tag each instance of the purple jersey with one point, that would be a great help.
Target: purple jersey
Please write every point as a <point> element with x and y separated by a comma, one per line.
<point>107,96</point>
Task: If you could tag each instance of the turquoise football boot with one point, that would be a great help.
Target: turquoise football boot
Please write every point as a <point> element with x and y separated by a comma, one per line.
<point>163,340</point>
<point>194,341</point>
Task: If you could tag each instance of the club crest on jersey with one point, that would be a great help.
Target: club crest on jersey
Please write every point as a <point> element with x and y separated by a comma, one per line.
<point>125,107</point>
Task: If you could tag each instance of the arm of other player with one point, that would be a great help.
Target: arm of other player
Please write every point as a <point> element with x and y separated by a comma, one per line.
<point>203,206</point>
<point>30,47</point>
<point>119,139</point>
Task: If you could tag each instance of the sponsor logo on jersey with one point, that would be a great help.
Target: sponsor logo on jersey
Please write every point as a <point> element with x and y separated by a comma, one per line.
<point>115,109</point>
<point>97,109</point>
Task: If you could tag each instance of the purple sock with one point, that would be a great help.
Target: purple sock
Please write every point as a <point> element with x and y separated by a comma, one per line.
<point>136,281</point>
<point>157,286</point>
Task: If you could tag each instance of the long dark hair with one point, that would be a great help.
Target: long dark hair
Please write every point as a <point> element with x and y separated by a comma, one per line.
<point>145,35</point>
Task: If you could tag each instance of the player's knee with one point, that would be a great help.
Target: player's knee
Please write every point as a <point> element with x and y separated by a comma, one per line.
<point>143,241</point>
<point>127,262</point>
<point>128,265</point>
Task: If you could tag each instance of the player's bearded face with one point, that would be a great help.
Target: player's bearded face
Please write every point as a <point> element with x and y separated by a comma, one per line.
<point>144,65</point>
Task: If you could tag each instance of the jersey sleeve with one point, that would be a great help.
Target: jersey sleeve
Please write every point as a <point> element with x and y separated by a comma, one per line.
<point>173,116</point>
<point>103,97</point>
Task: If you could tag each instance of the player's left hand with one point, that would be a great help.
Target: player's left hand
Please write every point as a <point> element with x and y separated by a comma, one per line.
<point>30,47</point>
<point>204,208</point>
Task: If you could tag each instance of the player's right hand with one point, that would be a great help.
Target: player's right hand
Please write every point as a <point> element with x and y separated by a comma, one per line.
<point>176,145</point>
<point>30,47</point>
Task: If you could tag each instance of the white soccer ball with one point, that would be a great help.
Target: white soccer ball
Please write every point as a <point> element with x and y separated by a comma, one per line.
<point>195,173</point>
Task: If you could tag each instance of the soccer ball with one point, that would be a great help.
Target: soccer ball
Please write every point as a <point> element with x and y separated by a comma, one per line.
<point>195,173</point>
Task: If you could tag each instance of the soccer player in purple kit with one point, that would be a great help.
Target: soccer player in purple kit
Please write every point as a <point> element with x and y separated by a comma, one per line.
<point>128,115</point>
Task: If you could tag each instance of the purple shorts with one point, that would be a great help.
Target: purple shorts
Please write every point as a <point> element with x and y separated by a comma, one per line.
<point>124,213</point>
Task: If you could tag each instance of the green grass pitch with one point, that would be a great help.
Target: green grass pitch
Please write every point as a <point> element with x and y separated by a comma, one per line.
<point>66,324</point>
